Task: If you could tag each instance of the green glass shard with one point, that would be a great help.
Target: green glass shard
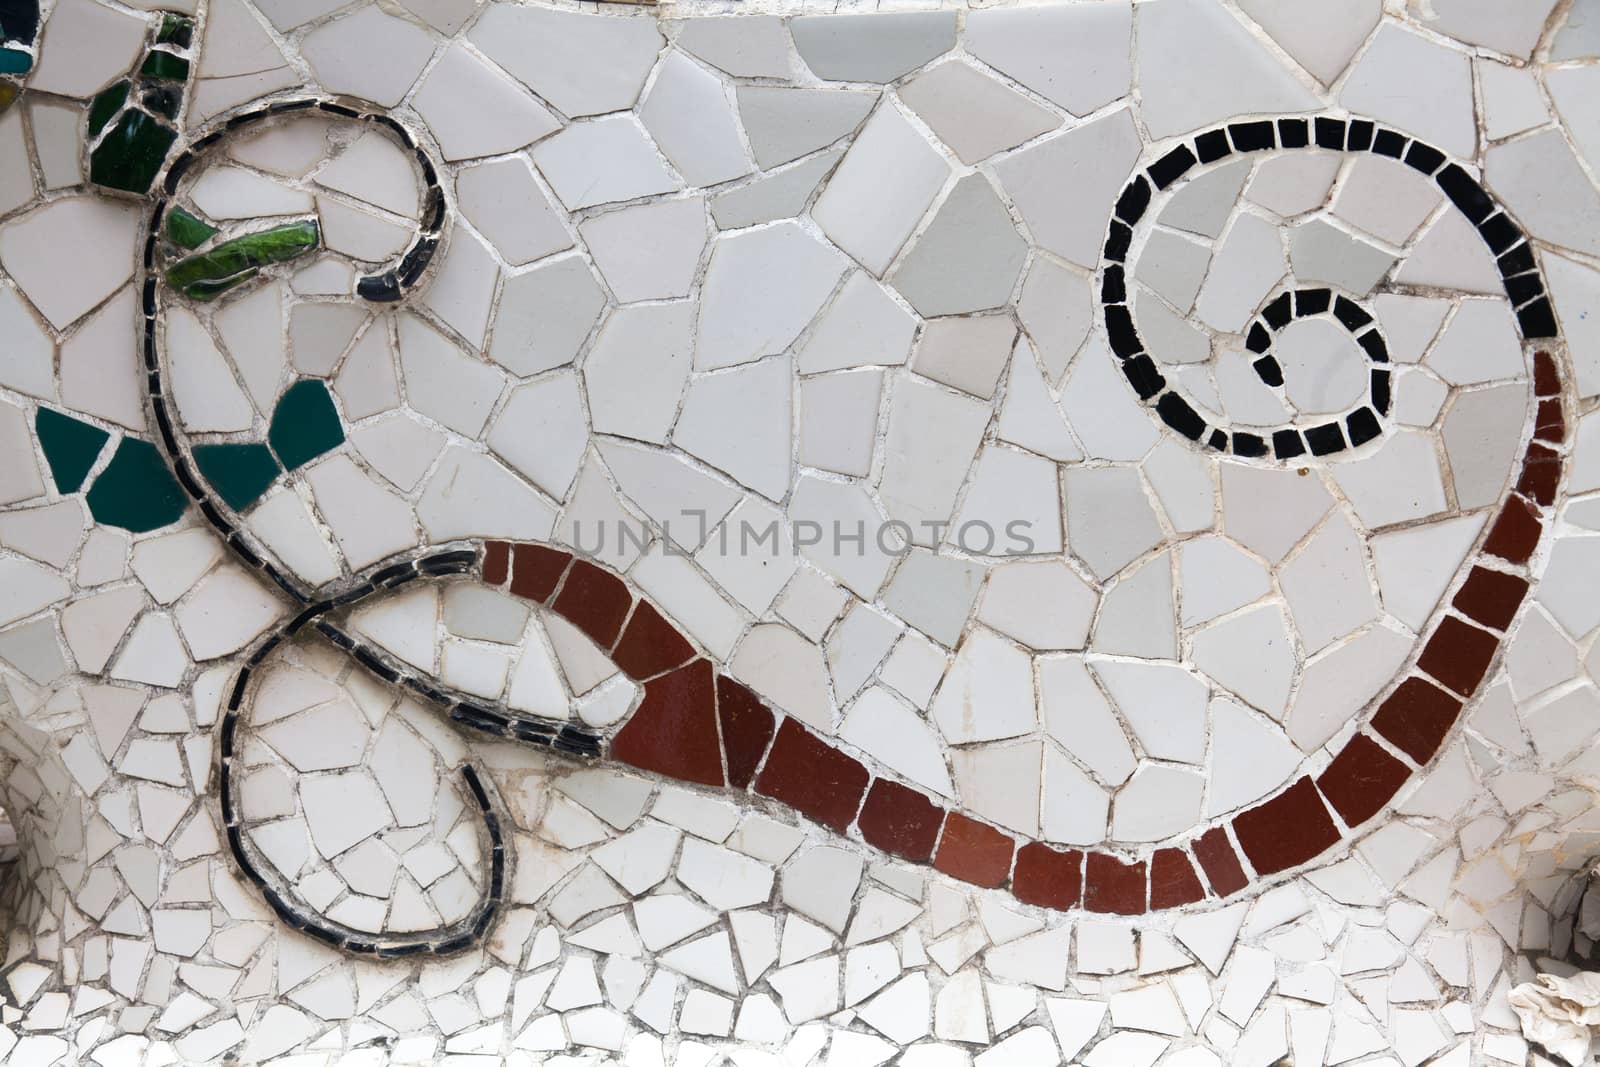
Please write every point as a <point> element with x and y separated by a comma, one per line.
<point>165,66</point>
<point>136,491</point>
<point>239,473</point>
<point>15,61</point>
<point>8,93</point>
<point>106,103</point>
<point>186,231</point>
<point>211,290</point>
<point>304,424</point>
<point>131,153</point>
<point>175,29</point>
<point>205,275</point>
<point>70,446</point>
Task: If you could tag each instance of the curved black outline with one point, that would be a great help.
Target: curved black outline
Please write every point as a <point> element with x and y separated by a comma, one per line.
<point>1505,240</point>
<point>386,286</point>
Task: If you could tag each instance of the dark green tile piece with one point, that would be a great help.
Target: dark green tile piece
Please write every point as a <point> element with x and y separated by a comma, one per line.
<point>131,153</point>
<point>175,29</point>
<point>136,491</point>
<point>106,102</point>
<point>185,230</point>
<point>165,66</point>
<point>15,61</point>
<point>163,101</point>
<point>70,446</point>
<point>239,473</point>
<point>8,93</point>
<point>205,275</point>
<point>304,424</point>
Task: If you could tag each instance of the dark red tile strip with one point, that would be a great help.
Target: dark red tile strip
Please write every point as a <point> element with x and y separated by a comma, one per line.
<point>1515,533</point>
<point>650,644</point>
<point>973,852</point>
<point>1458,654</point>
<point>1541,474</point>
<point>595,601</point>
<point>1173,882</point>
<point>1416,717</point>
<point>496,562</point>
<point>674,729</point>
<point>1361,779</point>
<point>899,820</point>
<point>536,570</point>
<point>1491,598</point>
<point>811,776</point>
<point>1550,424</point>
<point>1048,877</point>
<point>1286,831</point>
<point>1113,887</point>
<point>1546,375</point>
<point>1220,862</point>
<point>747,729</point>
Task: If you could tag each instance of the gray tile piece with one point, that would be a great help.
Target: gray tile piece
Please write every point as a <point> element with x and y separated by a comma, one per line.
<point>972,112</point>
<point>1322,36</point>
<point>746,46</point>
<point>1078,55</point>
<point>688,112</point>
<point>544,315</point>
<point>872,47</point>
<point>1543,184</point>
<point>966,352</point>
<point>1202,205</point>
<point>783,124</point>
<point>554,54</point>
<point>935,594</point>
<point>1320,252</point>
<point>866,216</point>
<point>968,258</point>
<point>781,195</point>
<point>1064,186</point>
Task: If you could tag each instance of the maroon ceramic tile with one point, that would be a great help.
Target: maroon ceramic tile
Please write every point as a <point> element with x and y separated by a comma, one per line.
<point>1287,830</point>
<point>595,601</point>
<point>973,852</point>
<point>1113,887</point>
<point>674,729</point>
<point>1220,862</point>
<point>1541,474</point>
<point>650,644</point>
<point>1458,654</point>
<point>815,779</point>
<point>1515,533</point>
<point>1416,717</point>
<point>900,820</point>
<point>536,569</point>
<point>747,728</point>
<point>1550,424</point>
<point>496,562</point>
<point>1172,879</point>
<point>1546,375</point>
<point>1048,877</point>
<point>1490,597</point>
<point>1361,779</point>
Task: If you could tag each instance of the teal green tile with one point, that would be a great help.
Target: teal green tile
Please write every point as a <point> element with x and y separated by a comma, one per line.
<point>304,424</point>
<point>136,491</point>
<point>239,473</point>
<point>15,61</point>
<point>70,446</point>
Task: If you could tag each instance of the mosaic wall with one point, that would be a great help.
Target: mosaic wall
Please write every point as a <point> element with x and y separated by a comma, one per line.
<point>664,536</point>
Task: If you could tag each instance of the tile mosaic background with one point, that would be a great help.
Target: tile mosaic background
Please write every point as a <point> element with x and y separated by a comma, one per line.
<point>699,534</point>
